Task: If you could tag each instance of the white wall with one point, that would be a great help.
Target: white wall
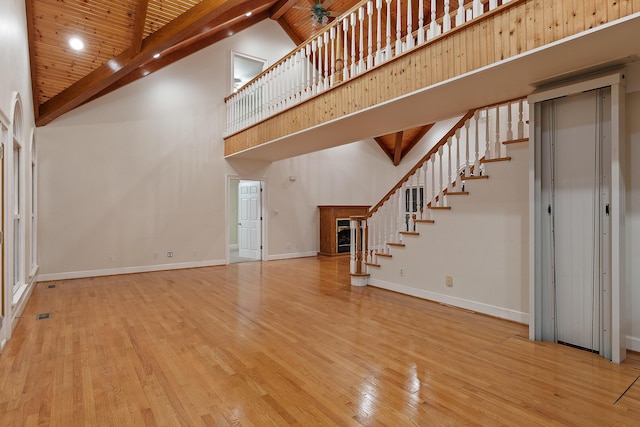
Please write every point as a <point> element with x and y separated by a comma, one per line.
<point>140,172</point>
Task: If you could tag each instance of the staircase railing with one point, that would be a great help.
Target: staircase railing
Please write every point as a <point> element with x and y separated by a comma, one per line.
<point>371,33</point>
<point>479,137</point>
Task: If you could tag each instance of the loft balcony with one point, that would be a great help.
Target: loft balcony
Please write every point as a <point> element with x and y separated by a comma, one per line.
<point>389,65</point>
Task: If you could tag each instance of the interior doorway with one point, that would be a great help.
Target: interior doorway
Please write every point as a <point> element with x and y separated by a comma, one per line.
<point>245,220</point>
<point>576,225</point>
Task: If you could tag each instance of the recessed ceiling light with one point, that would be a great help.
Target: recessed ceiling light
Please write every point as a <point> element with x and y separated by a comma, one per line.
<point>76,43</point>
<point>248,14</point>
<point>156,56</point>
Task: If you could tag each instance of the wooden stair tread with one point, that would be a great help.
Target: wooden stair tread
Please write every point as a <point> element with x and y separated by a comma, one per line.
<point>464,178</point>
<point>370,264</point>
<point>399,245</point>
<point>384,255</point>
<point>498,159</point>
<point>440,207</point>
<point>410,233</point>
<point>515,141</point>
<point>424,221</point>
<point>458,193</point>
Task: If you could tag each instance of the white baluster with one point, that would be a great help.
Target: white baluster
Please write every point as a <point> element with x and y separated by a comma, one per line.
<point>441,180</point>
<point>314,67</point>
<point>345,53</point>
<point>361,44</point>
<point>446,19</point>
<point>460,14</point>
<point>325,39</point>
<point>398,28</point>
<point>478,8</point>
<point>321,48</point>
<point>369,35</point>
<point>467,168</point>
<point>308,64</point>
<point>493,4</point>
<point>400,218</point>
<point>487,154</point>
<point>405,191</point>
<point>332,36</point>
<point>409,43</point>
<point>498,138</point>
<point>378,55</point>
<point>476,162</point>
<point>433,181</point>
<point>449,167</point>
<point>420,22</point>
<point>520,120</point>
<point>509,123</point>
<point>387,55</point>
<point>424,210</point>
<point>457,177</point>
<point>434,28</point>
<point>353,45</point>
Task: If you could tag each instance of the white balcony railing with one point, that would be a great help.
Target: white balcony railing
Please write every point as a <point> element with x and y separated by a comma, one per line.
<point>371,33</point>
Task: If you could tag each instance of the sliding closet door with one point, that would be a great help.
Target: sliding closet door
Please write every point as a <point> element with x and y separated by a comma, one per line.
<point>575,187</point>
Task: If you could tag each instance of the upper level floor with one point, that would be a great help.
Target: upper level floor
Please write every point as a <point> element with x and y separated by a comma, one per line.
<point>388,65</point>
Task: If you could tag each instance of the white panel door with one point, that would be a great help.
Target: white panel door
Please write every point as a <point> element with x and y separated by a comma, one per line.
<point>249,213</point>
<point>576,186</point>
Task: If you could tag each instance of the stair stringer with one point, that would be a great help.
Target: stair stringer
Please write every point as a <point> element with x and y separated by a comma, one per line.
<point>482,242</point>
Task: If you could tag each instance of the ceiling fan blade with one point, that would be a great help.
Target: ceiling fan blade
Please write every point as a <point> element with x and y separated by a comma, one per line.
<point>301,21</point>
<point>313,2</point>
<point>327,4</point>
<point>333,14</point>
<point>300,7</point>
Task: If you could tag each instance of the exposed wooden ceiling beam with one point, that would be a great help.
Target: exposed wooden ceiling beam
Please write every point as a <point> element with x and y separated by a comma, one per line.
<point>384,147</point>
<point>397,150</point>
<point>281,7</point>
<point>290,32</point>
<point>183,50</point>
<point>138,26</point>
<point>174,32</point>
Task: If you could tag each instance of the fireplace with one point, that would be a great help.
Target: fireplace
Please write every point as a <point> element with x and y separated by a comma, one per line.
<point>343,235</point>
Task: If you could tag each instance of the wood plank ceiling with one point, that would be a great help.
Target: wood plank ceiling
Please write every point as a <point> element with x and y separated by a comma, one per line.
<point>123,38</point>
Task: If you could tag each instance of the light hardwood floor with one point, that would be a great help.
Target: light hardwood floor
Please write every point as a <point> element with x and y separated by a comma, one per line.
<point>289,342</point>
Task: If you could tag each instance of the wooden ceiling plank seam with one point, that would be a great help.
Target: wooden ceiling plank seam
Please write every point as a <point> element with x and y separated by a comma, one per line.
<point>397,150</point>
<point>281,7</point>
<point>140,19</point>
<point>116,68</point>
<point>384,147</point>
<point>47,11</point>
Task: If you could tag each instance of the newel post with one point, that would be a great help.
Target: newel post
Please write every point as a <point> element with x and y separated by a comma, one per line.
<point>358,268</point>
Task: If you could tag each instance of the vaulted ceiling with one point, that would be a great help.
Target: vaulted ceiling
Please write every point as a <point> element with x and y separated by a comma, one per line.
<point>125,40</point>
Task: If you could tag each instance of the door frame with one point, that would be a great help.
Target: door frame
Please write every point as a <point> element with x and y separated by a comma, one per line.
<point>616,80</point>
<point>228,221</point>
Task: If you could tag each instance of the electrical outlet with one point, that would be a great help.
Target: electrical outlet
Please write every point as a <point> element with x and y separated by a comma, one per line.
<point>110,258</point>
<point>449,280</point>
<point>401,272</point>
<point>170,254</point>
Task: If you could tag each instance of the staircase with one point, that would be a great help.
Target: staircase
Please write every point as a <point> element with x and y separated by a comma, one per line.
<point>416,236</point>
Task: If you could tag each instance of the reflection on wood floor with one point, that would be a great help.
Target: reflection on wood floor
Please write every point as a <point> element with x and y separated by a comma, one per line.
<point>288,342</point>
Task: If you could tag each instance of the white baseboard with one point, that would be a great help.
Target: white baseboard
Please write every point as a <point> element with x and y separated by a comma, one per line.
<point>491,310</point>
<point>633,343</point>
<point>18,308</point>
<point>292,255</point>
<point>127,270</point>
<point>2,344</point>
